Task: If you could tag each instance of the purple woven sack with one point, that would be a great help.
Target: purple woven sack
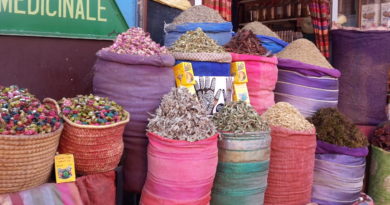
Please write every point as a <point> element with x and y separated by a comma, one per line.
<point>363,57</point>
<point>138,84</point>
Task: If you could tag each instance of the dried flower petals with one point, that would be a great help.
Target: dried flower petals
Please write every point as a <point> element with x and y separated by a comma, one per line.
<point>335,128</point>
<point>245,42</point>
<point>136,41</point>
<point>238,117</point>
<point>285,115</point>
<point>23,114</point>
<point>381,136</point>
<point>181,117</point>
<point>196,42</point>
<point>92,110</point>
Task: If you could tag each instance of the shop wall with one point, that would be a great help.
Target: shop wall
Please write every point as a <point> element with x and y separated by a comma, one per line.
<point>49,67</point>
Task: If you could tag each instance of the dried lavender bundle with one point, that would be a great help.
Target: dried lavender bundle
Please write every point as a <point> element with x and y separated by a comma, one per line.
<point>196,42</point>
<point>181,117</point>
<point>238,117</point>
<point>285,115</point>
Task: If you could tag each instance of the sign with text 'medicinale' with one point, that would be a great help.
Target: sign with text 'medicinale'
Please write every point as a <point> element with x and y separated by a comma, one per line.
<point>92,19</point>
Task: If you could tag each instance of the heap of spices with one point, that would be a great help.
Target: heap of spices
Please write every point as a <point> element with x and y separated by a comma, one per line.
<point>285,115</point>
<point>196,42</point>
<point>381,136</point>
<point>199,14</point>
<point>335,128</point>
<point>136,41</point>
<point>92,110</point>
<point>23,114</point>
<point>304,51</point>
<point>181,117</point>
<point>260,29</point>
<point>239,117</point>
<point>245,42</point>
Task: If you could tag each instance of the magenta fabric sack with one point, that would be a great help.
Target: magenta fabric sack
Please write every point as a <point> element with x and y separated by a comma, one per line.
<point>363,58</point>
<point>137,83</point>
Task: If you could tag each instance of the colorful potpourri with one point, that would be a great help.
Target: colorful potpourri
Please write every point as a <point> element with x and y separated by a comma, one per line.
<point>23,114</point>
<point>92,110</point>
<point>136,41</point>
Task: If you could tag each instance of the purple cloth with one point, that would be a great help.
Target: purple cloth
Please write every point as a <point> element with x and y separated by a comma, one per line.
<point>341,170</point>
<point>364,60</point>
<point>341,159</point>
<point>322,202</point>
<point>327,148</point>
<point>324,82</point>
<point>307,92</point>
<point>307,69</point>
<point>138,84</point>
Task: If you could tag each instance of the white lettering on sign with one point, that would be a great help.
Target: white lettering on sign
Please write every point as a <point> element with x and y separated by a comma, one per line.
<point>73,9</point>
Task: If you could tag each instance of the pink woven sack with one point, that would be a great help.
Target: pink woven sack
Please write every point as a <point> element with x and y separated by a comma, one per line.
<point>262,76</point>
<point>290,176</point>
<point>179,172</point>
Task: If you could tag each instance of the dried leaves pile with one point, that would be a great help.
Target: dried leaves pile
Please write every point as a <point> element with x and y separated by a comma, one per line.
<point>199,14</point>
<point>285,115</point>
<point>196,42</point>
<point>304,51</point>
<point>381,136</point>
<point>181,117</point>
<point>238,117</point>
<point>245,42</point>
<point>335,128</point>
<point>260,29</point>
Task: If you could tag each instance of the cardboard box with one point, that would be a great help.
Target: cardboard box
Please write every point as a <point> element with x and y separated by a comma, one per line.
<point>238,71</point>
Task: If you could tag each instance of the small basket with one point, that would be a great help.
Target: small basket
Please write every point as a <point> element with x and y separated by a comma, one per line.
<point>95,148</point>
<point>26,161</point>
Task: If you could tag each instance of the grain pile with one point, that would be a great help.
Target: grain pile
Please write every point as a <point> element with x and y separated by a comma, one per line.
<point>245,42</point>
<point>260,29</point>
<point>181,117</point>
<point>285,115</point>
<point>381,136</point>
<point>304,51</point>
<point>238,117</point>
<point>199,14</point>
<point>335,128</point>
<point>196,42</point>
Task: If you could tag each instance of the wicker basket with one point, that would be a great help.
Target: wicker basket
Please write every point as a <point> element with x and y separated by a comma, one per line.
<point>26,161</point>
<point>95,148</point>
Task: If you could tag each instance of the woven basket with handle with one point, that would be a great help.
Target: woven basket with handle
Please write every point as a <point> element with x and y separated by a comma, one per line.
<point>95,148</point>
<point>26,161</point>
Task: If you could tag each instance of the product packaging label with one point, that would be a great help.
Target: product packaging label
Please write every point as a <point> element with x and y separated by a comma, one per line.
<point>64,168</point>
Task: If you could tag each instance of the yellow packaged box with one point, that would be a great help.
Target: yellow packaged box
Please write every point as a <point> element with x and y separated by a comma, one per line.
<point>184,74</point>
<point>64,168</point>
<point>238,71</point>
<point>240,93</point>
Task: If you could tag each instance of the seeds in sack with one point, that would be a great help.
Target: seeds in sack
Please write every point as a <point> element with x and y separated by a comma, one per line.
<point>199,14</point>
<point>260,29</point>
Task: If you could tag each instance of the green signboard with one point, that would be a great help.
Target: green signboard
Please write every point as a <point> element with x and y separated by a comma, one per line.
<point>96,19</point>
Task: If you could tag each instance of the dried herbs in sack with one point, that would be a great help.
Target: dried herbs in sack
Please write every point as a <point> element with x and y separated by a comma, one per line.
<point>136,80</point>
<point>261,70</point>
<point>379,177</point>
<point>340,158</point>
<point>244,150</point>
<point>93,132</point>
<point>29,135</point>
<point>181,138</point>
<point>293,146</point>
<point>202,17</point>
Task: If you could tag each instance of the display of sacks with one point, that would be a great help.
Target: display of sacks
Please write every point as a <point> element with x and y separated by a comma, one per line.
<point>379,178</point>
<point>338,174</point>
<point>262,76</point>
<point>26,160</point>
<point>137,83</point>
<point>307,87</point>
<point>290,174</point>
<point>242,169</point>
<point>179,172</point>
<point>220,32</point>
<point>363,58</point>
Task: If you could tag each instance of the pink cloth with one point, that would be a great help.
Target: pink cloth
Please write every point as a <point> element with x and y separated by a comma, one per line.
<point>262,76</point>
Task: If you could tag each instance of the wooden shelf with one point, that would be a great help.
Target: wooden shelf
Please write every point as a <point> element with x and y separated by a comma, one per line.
<point>277,20</point>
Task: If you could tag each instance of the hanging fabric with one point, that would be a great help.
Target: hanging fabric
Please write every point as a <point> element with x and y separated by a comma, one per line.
<point>320,14</point>
<point>224,7</point>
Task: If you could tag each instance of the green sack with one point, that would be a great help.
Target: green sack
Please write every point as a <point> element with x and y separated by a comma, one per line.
<point>379,181</point>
